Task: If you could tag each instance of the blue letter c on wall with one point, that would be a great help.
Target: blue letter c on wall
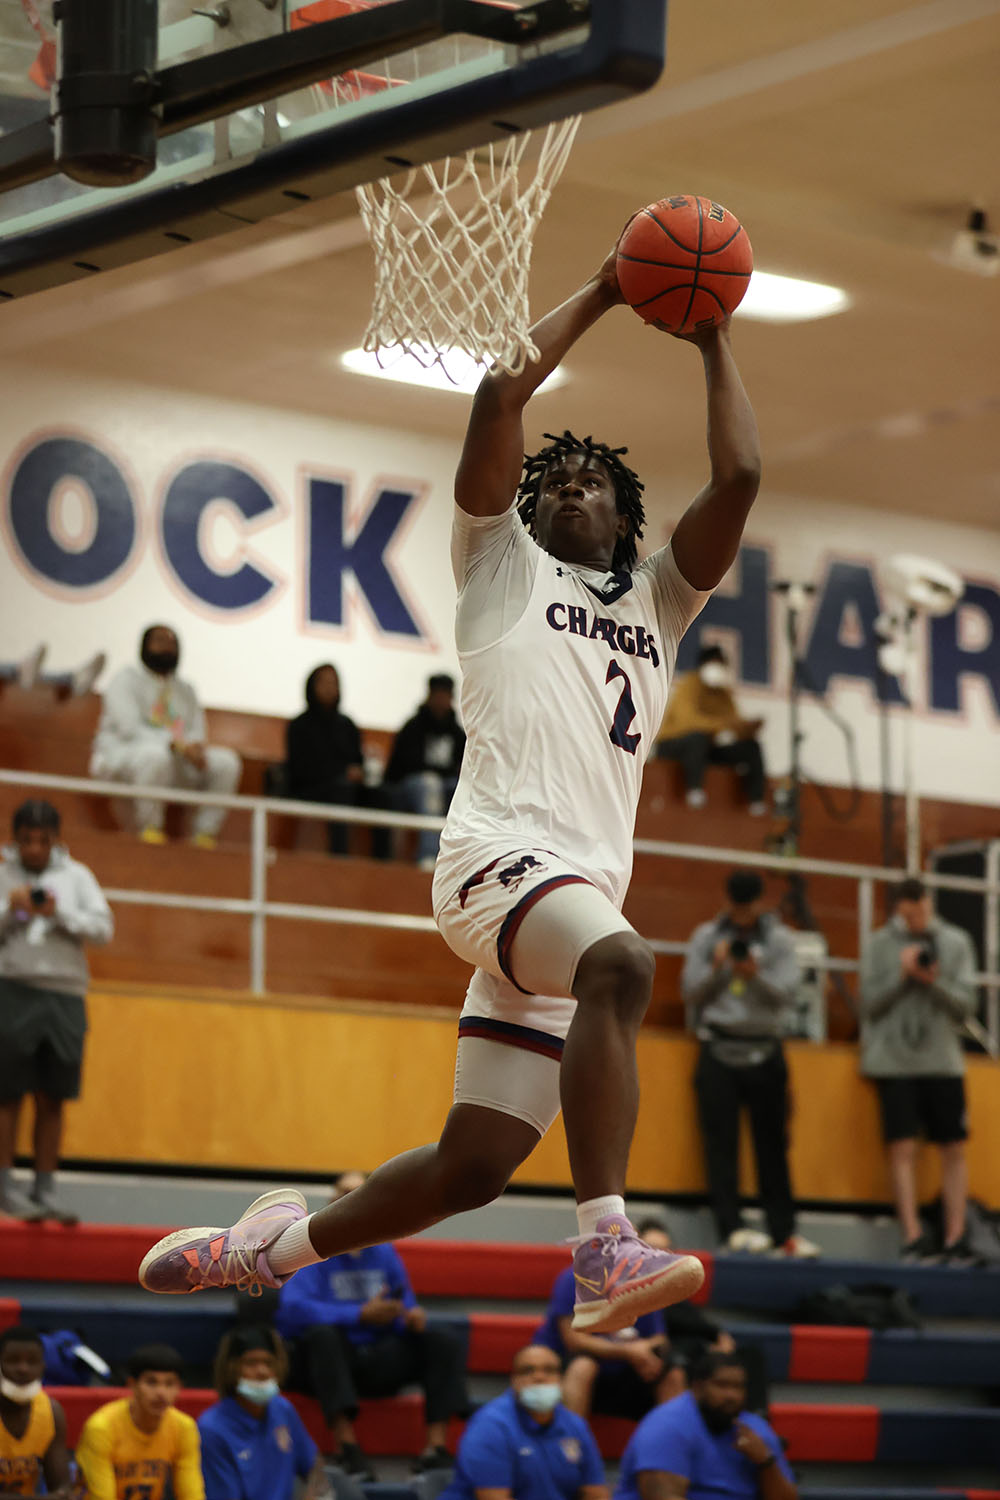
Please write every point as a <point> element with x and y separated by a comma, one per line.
<point>191,491</point>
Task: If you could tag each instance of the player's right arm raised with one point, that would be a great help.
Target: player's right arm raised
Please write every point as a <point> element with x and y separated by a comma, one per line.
<point>490,467</point>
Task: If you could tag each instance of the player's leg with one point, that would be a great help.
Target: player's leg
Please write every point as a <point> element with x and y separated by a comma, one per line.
<point>469,1166</point>
<point>573,940</point>
<point>481,1145</point>
<point>599,1079</point>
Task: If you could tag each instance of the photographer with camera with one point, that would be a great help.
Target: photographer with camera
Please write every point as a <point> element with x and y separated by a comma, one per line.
<point>50,905</point>
<point>739,981</point>
<point>916,993</point>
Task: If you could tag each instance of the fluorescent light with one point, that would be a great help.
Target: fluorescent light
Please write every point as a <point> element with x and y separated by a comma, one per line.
<point>786,299</point>
<point>464,373</point>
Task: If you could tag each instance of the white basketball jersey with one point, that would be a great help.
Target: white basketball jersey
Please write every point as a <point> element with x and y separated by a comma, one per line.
<point>565,675</point>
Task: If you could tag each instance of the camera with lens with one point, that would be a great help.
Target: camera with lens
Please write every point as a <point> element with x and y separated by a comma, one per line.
<point>927,957</point>
<point>39,896</point>
<point>739,949</point>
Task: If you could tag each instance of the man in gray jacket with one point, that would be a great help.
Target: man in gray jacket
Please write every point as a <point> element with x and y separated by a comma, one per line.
<point>916,993</point>
<point>50,905</point>
<point>739,981</point>
<point>152,733</point>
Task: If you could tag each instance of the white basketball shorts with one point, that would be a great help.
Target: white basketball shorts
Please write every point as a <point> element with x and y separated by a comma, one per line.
<point>524,920</point>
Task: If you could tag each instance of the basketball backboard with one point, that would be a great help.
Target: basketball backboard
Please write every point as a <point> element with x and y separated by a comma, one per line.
<point>256,117</point>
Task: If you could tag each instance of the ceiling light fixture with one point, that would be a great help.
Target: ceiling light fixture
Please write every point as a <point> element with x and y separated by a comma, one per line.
<point>786,299</point>
<point>462,377</point>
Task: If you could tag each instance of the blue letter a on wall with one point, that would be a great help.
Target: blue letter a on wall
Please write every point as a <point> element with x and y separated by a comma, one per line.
<point>332,555</point>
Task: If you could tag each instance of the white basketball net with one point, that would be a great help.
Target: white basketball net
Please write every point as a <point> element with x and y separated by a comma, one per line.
<point>452,247</point>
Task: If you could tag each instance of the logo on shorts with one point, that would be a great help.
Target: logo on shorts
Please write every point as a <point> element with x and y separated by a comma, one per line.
<point>514,874</point>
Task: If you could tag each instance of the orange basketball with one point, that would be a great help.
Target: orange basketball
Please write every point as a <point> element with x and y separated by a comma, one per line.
<point>684,263</point>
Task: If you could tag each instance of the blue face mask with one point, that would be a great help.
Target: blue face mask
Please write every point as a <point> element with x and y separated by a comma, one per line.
<point>260,1392</point>
<point>541,1398</point>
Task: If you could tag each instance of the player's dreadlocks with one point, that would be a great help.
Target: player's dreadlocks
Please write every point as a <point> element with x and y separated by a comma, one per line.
<point>628,488</point>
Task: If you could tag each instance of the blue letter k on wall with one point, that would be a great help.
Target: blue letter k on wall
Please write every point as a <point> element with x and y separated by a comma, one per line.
<point>332,555</point>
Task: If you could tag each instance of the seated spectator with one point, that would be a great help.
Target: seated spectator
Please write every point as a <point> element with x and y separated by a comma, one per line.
<point>426,758</point>
<point>692,1335</point>
<point>33,1452</point>
<point>152,733</point>
<point>527,1445</point>
<point>739,980</point>
<point>253,1443</point>
<point>621,1374</point>
<point>916,992</point>
<point>704,1445</point>
<point>358,1331</point>
<point>323,756</point>
<point>137,1445</point>
<point>703,726</point>
<point>50,906</point>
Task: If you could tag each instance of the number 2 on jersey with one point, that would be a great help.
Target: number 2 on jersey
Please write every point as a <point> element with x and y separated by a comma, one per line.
<point>624,713</point>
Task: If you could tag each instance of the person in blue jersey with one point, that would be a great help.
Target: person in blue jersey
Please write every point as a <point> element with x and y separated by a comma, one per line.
<point>567,642</point>
<point>356,1330</point>
<point>622,1374</point>
<point>253,1443</point>
<point>705,1445</point>
<point>525,1444</point>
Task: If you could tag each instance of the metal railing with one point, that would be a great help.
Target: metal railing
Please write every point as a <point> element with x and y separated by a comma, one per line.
<point>259,909</point>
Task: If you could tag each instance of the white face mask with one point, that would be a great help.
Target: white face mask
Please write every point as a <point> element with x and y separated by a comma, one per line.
<point>541,1398</point>
<point>22,1394</point>
<point>715,674</point>
<point>260,1392</point>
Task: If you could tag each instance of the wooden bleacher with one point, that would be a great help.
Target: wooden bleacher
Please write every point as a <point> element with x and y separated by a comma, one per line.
<point>666,901</point>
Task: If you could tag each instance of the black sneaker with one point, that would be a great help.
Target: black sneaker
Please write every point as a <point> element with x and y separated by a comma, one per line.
<point>960,1253</point>
<point>434,1458</point>
<point>925,1250</point>
<point>354,1461</point>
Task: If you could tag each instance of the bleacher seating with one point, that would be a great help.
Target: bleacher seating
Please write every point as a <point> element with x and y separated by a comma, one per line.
<point>666,900</point>
<point>84,1278</point>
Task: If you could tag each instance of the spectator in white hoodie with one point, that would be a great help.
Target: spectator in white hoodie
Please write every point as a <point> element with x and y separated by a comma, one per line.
<point>152,733</point>
<point>50,906</point>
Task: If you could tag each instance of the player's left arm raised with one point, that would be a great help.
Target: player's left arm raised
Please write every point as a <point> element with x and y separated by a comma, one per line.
<point>707,537</point>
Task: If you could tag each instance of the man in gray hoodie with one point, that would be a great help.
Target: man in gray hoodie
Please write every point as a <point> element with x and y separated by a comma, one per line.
<point>739,981</point>
<point>50,905</point>
<point>916,993</point>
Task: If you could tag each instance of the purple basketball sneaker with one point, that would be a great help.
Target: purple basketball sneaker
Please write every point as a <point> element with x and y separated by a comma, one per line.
<point>619,1277</point>
<point>191,1260</point>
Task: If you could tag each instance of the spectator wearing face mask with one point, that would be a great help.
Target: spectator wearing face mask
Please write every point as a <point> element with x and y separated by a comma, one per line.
<point>152,733</point>
<point>525,1444</point>
<point>703,726</point>
<point>32,1425</point>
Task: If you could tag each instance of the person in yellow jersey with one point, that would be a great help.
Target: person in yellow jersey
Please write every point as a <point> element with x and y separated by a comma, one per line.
<point>33,1452</point>
<point>129,1448</point>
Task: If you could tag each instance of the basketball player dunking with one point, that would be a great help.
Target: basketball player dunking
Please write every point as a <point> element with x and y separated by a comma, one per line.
<point>567,647</point>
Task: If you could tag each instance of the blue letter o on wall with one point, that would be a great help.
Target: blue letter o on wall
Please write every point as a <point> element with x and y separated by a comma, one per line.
<point>31,490</point>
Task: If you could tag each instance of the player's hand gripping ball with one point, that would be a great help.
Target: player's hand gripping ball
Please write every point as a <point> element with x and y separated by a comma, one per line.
<point>684,263</point>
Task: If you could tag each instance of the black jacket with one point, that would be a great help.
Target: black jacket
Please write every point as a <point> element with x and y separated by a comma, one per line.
<point>427,744</point>
<point>319,747</point>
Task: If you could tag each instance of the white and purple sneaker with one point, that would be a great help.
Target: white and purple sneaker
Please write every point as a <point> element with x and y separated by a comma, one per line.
<point>619,1277</point>
<point>192,1260</point>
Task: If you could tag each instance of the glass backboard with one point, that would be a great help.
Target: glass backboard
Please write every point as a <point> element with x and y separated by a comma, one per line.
<point>414,103</point>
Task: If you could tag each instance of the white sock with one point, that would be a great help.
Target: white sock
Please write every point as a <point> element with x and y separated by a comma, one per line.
<point>293,1249</point>
<point>588,1214</point>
